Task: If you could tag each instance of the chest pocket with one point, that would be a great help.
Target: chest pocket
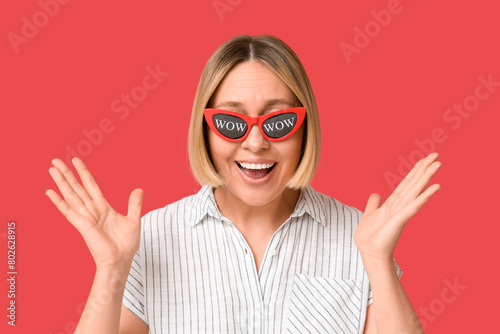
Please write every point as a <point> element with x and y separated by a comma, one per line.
<point>324,305</point>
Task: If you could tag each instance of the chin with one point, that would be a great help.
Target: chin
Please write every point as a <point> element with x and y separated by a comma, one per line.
<point>256,197</point>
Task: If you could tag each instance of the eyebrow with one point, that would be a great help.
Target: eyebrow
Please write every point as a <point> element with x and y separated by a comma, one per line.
<point>269,103</point>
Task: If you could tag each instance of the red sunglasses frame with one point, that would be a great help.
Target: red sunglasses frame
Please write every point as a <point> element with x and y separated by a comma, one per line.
<point>210,112</point>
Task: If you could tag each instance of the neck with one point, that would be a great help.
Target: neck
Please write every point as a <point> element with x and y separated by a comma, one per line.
<point>267,217</point>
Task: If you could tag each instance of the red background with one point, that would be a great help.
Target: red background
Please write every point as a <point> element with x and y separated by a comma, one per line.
<point>396,90</point>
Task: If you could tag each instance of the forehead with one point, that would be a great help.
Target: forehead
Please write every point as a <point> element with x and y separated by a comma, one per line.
<point>252,85</point>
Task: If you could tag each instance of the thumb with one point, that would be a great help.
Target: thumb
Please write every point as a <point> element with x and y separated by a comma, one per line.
<point>373,203</point>
<point>135,204</point>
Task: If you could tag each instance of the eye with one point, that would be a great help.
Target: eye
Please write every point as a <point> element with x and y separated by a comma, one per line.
<point>280,125</point>
<point>230,126</point>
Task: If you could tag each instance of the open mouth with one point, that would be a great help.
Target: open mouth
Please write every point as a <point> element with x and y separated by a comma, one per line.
<point>255,171</point>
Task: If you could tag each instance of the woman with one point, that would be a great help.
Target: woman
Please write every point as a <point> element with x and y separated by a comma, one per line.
<point>257,249</point>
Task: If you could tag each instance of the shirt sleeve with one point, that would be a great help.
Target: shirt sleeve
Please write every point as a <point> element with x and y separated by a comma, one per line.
<point>398,271</point>
<point>133,296</point>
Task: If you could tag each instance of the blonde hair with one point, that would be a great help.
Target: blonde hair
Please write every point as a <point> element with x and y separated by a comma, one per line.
<point>280,58</point>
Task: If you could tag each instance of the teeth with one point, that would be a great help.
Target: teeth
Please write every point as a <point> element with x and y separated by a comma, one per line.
<point>255,166</point>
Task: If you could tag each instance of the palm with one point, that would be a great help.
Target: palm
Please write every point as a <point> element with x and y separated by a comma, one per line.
<point>110,237</point>
<point>110,234</point>
<point>381,226</point>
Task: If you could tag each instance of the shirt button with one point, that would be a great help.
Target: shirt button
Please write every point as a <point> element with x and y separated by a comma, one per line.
<point>273,252</point>
<point>257,307</point>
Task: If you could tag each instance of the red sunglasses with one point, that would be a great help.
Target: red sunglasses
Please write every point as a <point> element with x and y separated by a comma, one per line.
<point>235,127</point>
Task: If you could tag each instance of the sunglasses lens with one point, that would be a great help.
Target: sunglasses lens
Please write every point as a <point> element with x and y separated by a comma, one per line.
<point>230,126</point>
<point>280,125</point>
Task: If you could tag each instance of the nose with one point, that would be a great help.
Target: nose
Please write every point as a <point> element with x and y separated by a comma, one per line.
<point>255,140</point>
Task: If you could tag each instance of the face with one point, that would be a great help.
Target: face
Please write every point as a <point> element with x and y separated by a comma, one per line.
<point>255,170</point>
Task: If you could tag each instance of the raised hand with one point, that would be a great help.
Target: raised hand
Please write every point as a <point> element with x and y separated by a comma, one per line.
<point>112,238</point>
<point>381,226</point>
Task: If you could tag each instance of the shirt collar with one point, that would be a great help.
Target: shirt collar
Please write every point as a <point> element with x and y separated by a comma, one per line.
<point>203,204</point>
<point>310,202</point>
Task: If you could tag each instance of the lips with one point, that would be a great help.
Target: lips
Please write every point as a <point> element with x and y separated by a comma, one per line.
<point>255,170</point>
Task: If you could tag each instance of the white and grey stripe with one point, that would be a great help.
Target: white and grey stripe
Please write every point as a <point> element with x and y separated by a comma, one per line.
<point>194,271</point>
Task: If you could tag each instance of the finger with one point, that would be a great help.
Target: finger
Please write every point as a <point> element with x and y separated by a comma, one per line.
<point>70,195</point>
<point>75,185</point>
<point>414,174</point>
<point>408,176</point>
<point>135,204</point>
<point>420,201</point>
<point>421,170</point>
<point>88,180</point>
<point>373,203</point>
<point>421,183</point>
<point>67,211</point>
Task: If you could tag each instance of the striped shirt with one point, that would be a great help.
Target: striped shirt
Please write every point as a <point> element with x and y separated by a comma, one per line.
<point>195,273</point>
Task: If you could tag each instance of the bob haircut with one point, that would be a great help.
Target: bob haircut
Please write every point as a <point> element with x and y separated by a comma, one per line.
<point>280,58</point>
